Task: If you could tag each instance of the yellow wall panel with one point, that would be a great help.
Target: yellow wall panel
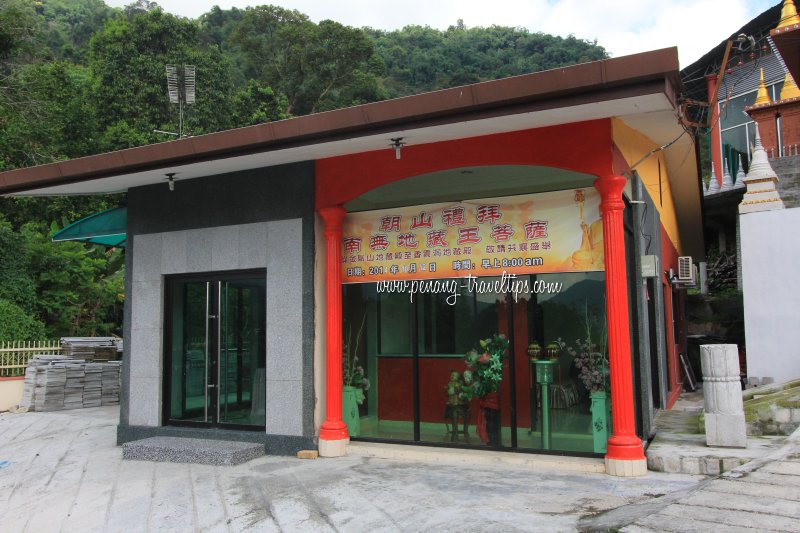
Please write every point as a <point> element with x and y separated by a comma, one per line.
<point>634,145</point>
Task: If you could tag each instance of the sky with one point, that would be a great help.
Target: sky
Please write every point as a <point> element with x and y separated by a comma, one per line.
<point>621,26</point>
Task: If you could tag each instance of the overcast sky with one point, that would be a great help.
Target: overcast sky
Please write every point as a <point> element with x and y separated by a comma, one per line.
<point>622,26</point>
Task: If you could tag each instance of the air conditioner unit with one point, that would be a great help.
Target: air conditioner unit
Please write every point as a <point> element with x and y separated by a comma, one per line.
<point>687,272</point>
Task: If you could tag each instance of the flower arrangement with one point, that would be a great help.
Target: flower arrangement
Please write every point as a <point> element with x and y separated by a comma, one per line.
<point>588,357</point>
<point>485,367</point>
<point>353,372</point>
<point>592,364</point>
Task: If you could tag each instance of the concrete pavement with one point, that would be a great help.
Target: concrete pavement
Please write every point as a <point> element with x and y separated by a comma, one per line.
<point>762,495</point>
<point>66,474</point>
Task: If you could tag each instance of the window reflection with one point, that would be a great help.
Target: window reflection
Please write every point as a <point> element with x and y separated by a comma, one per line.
<point>445,333</point>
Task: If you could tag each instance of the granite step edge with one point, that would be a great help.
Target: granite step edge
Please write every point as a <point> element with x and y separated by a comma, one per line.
<point>190,450</point>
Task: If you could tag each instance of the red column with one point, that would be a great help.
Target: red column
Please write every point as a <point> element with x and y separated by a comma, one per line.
<point>715,135</point>
<point>623,445</point>
<point>333,428</point>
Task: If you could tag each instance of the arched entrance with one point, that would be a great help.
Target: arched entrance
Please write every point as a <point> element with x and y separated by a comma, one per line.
<point>412,347</point>
<point>403,405</point>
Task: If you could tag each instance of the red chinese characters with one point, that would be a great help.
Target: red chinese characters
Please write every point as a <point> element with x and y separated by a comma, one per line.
<point>436,238</point>
<point>390,223</point>
<point>488,213</point>
<point>536,229</point>
<point>423,220</point>
<point>453,216</point>
<point>378,242</point>
<point>352,245</point>
<point>502,232</point>
<point>468,235</point>
<point>407,240</point>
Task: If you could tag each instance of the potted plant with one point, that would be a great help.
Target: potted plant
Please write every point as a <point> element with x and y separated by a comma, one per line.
<point>354,382</point>
<point>591,362</point>
<point>482,380</point>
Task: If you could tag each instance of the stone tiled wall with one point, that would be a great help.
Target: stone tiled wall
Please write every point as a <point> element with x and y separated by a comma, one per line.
<point>224,248</point>
<point>250,220</point>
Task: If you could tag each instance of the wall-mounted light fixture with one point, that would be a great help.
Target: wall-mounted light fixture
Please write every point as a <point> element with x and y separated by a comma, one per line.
<point>171,180</point>
<point>397,143</point>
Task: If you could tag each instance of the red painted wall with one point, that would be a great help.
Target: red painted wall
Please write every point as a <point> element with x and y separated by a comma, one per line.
<point>582,147</point>
<point>395,378</point>
<point>669,259</point>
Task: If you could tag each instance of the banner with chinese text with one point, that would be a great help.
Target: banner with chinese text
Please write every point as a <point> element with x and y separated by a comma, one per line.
<point>558,231</point>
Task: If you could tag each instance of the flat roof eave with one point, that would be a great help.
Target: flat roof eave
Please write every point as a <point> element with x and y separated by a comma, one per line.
<point>482,108</point>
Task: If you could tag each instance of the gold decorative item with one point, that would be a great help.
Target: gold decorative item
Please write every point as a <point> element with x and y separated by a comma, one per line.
<point>534,350</point>
<point>552,350</point>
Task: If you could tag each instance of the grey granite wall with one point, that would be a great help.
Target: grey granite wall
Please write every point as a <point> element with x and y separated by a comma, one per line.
<point>647,241</point>
<point>254,219</point>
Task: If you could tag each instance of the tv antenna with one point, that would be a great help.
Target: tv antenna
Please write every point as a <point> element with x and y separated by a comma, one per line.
<point>180,88</point>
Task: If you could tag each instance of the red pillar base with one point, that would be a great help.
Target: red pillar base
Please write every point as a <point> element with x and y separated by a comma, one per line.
<point>625,456</point>
<point>333,447</point>
<point>619,468</point>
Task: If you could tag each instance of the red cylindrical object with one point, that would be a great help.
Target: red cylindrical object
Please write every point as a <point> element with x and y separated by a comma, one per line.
<point>333,428</point>
<point>623,443</point>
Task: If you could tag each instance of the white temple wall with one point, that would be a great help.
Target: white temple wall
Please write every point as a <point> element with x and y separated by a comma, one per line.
<point>770,247</point>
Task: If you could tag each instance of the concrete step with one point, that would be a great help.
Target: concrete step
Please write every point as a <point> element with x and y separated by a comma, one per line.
<point>456,456</point>
<point>688,454</point>
<point>185,450</point>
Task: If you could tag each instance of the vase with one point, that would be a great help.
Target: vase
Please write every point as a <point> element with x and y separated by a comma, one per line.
<point>350,414</point>
<point>492,417</point>
<point>601,420</point>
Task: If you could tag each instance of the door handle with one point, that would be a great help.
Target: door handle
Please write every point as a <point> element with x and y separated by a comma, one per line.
<point>210,386</point>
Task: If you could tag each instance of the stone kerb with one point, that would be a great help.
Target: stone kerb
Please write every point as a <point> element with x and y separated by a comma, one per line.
<point>724,409</point>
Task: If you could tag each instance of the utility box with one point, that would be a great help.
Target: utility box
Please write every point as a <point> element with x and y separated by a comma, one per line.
<point>649,266</point>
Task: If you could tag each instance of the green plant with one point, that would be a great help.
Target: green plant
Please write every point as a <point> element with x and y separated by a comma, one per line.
<point>485,367</point>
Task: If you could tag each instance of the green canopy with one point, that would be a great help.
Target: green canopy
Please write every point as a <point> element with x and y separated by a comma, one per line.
<point>107,228</point>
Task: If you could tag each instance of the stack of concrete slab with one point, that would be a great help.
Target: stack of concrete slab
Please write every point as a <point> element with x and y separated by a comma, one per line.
<point>110,383</point>
<point>93,385</point>
<point>73,388</point>
<point>90,348</point>
<point>35,365</point>
<point>49,390</point>
<point>54,382</point>
<point>28,387</point>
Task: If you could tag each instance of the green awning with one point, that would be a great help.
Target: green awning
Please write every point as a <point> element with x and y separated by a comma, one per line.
<point>107,228</point>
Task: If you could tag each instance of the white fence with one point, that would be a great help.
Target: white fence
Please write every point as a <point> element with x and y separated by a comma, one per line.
<point>14,355</point>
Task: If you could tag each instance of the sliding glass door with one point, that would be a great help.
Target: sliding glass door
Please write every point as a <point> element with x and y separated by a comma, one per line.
<point>216,350</point>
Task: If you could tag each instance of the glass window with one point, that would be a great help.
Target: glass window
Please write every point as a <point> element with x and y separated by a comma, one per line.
<point>733,113</point>
<point>413,355</point>
<point>735,143</point>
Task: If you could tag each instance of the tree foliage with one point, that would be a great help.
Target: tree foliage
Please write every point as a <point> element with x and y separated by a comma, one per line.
<point>311,64</point>
<point>78,77</point>
<point>419,58</point>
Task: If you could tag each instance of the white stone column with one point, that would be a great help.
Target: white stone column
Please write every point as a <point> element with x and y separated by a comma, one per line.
<point>724,410</point>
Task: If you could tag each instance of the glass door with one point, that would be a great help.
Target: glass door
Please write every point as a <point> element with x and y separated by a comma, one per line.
<point>216,347</point>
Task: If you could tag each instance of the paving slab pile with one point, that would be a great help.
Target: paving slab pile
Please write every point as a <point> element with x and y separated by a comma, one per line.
<point>90,348</point>
<point>55,382</point>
